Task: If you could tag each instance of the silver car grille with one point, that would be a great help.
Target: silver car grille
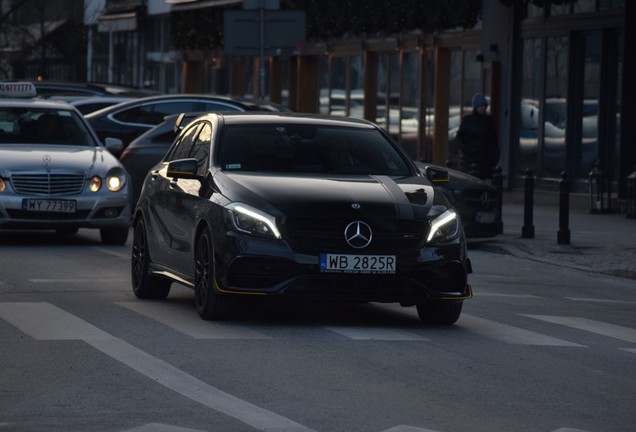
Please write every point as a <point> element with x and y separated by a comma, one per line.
<point>43,183</point>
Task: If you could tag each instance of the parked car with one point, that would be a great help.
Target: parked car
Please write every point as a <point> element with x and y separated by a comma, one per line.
<point>475,200</point>
<point>61,88</point>
<point>150,147</point>
<point>128,120</point>
<point>302,206</point>
<point>87,105</point>
<point>54,172</point>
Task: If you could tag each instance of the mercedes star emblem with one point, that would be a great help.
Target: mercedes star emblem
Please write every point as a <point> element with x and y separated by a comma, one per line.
<point>358,234</point>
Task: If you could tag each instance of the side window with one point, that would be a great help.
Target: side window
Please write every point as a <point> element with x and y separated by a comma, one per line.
<point>182,147</point>
<point>201,149</point>
<point>154,113</point>
<point>217,107</point>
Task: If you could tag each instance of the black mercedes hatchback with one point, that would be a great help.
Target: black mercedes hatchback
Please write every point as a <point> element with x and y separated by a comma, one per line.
<point>302,206</point>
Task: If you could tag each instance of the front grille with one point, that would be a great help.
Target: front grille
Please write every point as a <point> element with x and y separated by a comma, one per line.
<point>45,216</point>
<point>480,199</point>
<point>390,236</point>
<point>48,184</point>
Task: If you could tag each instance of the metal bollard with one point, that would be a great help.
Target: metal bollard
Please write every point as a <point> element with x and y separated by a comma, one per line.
<point>497,182</point>
<point>563,235</point>
<point>527,231</point>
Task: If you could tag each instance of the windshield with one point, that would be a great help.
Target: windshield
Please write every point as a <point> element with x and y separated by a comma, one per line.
<point>310,149</point>
<point>22,125</point>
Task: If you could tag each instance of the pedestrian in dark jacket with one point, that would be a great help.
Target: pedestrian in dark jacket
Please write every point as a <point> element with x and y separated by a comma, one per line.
<point>478,144</point>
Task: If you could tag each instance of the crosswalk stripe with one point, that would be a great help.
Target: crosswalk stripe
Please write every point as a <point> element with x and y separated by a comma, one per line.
<point>509,334</point>
<point>364,333</point>
<point>597,327</point>
<point>44,321</point>
<point>186,321</point>
<point>598,300</point>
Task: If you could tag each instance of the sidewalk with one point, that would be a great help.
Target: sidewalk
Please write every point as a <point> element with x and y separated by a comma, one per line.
<point>599,243</point>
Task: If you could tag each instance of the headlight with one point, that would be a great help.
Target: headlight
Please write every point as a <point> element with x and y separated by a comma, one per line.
<point>2,185</point>
<point>94,184</point>
<point>444,227</point>
<point>250,220</point>
<point>115,179</point>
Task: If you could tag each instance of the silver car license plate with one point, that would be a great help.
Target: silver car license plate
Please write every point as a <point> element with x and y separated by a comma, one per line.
<point>344,263</point>
<point>49,205</point>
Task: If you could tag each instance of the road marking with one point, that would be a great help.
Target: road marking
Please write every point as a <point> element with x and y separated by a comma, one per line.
<point>597,300</point>
<point>631,350</point>
<point>44,321</point>
<point>509,334</point>
<point>158,427</point>
<point>364,333</point>
<point>117,254</point>
<point>77,280</point>
<point>610,330</point>
<point>186,321</point>
<point>404,428</point>
<point>522,296</point>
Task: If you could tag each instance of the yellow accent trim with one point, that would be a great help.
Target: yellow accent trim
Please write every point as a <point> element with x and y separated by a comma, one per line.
<point>218,288</point>
<point>468,295</point>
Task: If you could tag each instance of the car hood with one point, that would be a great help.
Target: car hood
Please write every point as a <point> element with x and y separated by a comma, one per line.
<point>378,196</point>
<point>75,158</point>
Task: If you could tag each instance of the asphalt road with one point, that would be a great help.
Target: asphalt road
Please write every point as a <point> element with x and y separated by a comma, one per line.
<point>539,348</point>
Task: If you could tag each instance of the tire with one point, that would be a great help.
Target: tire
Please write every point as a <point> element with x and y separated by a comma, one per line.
<point>144,284</point>
<point>443,313</point>
<point>114,236</point>
<point>210,305</point>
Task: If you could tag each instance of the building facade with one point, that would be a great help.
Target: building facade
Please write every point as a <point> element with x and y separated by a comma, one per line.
<point>554,76</point>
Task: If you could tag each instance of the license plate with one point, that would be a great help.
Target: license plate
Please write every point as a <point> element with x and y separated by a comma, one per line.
<point>49,205</point>
<point>376,264</point>
<point>485,217</point>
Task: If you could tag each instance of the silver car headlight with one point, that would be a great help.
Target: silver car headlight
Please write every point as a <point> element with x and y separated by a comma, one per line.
<point>444,227</point>
<point>250,220</point>
<point>115,179</point>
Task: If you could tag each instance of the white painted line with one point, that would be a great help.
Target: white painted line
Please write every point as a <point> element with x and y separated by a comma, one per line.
<point>509,334</point>
<point>186,321</point>
<point>610,330</point>
<point>192,388</point>
<point>522,296</point>
<point>365,333</point>
<point>122,255</point>
<point>158,427</point>
<point>44,321</point>
<point>77,280</point>
<point>597,300</point>
<point>631,350</point>
<point>404,428</point>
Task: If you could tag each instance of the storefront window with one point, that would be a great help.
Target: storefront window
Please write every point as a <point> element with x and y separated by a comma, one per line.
<point>581,6</point>
<point>388,92</point>
<point>588,151</point>
<point>409,98</point>
<point>607,5</point>
<point>454,105</point>
<point>356,86</point>
<point>562,9</point>
<point>428,105</point>
<point>555,117</point>
<point>530,107</point>
<point>338,91</point>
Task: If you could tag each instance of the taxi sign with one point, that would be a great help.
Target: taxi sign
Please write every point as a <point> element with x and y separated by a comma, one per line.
<point>17,89</point>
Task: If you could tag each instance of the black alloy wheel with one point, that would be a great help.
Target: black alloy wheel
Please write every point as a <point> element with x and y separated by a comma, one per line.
<point>145,285</point>
<point>210,305</point>
<point>442,313</point>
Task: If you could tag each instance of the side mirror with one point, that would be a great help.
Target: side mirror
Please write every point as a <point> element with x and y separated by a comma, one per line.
<point>183,169</point>
<point>114,145</point>
<point>436,175</point>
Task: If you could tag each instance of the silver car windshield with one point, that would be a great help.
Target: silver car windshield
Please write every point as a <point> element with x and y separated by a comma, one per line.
<point>20,125</point>
<point>309,149</point>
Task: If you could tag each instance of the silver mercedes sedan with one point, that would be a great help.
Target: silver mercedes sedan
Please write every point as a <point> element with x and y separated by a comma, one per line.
<point>54,172</point>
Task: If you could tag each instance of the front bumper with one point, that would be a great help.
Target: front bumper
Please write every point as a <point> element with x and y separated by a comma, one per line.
<point>96,211</point>
<point>254,266</point>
